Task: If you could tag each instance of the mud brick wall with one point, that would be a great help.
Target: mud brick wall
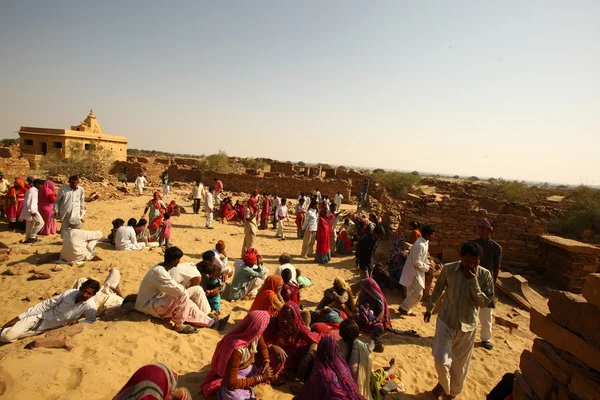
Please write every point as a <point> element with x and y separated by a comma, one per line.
<point>13,167</point>
<point>284,168</point>
<point>564,363</point>
<point>569,262</point>
<point>517,229</point>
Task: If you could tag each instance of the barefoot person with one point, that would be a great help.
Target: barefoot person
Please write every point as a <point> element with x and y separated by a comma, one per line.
<point>65,309</point>
<point>78,245</point>
<point>490,260</point>
<point>69,206</point>
<point>413,273</point>
<point>468,287</point>
<point>241,361</point>
<point>162,297</point>
<point>153,382</point>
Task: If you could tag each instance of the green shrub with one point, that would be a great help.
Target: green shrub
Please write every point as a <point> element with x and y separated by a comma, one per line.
<point>397,184</point>
<point>509,190</point>
<point>91,164</point>
<point>581,221</point>
<point>254,163</point>
<point>377,171</point>
<point>9,142</point>
<point>301,164</point>
<point>218,163</point>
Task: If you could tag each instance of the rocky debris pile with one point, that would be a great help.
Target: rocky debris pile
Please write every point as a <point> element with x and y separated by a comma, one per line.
<point>565,362</point>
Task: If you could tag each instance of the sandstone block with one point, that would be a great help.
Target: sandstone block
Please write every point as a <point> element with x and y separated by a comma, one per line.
<point>564,339</point>
<point>591,289</point>
<point>585,385</point>
<point>573,312</point>
<point>39,275</point>
<point>540,380</point>
<point>522,390</point>
<point>19,269</point>
<point>559,363</point>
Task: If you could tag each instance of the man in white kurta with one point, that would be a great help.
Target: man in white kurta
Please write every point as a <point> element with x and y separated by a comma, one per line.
<point>209,205</point>
<point>338,200</point>
<point>30,213</point>
<point>162,297</point>
<point>187,274</point>
<point>126,239</point>
<point>140,184</point>
<point>64,309</point>
<point>413,273</point>
<point>109,296</point>
<point>79,245</point>
<point>197,195</point>
<point>285,263</point>
<point>69,206</point>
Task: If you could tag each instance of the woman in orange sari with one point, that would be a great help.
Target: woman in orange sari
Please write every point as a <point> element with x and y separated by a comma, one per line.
<point>14,200</point>
<point>269,296</point>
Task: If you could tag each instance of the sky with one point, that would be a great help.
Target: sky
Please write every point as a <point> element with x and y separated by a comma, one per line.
<point>505,89</point>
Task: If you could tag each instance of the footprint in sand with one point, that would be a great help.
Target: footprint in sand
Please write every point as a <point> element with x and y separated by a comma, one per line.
<point>74,379</point>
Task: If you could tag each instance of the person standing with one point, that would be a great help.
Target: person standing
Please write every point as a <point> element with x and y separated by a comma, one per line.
<point>140,183</point>
<point>165,184</point>
<point>209,205</point>
<point>4,185</point>
<point>197,195</point>
<point>362,196</point>
<point>365,248</point>
<point>310,230</point>
<point>276,204</point>
<point>300,212</point>
<point>265,211</point>
<point>69,206</point>
<point>250,225</point>
<point>317,194</point>
<point>31,214</point>
<point>281,213</point>
<point>338,200</point>
<point>490,260</point>
<point>218,189</point>
<point>46,199</point>
<point>413,273</point>
<point>468,287</point>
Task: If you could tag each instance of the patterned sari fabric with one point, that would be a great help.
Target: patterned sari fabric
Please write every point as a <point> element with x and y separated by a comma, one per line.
<point>370,293</point>
<point>268,298</point>
<point>150,382</point>
<point>46,198</point>
<point>251,328</point>
<point>330,377</point>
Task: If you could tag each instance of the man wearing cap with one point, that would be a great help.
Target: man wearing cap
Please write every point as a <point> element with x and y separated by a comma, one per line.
<point>3,190</point>
<point>491,260</point>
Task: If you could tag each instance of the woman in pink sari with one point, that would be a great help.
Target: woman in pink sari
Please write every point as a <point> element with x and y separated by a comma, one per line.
<point>266,211</point>
<point>46,199</point>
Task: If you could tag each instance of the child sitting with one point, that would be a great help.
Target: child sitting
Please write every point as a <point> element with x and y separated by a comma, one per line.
<point>365,316</point>
<point>117,223</point>
<point>211,284</point>
<point>303,281</point>
<point>290,290</point>
<point>165,231</point>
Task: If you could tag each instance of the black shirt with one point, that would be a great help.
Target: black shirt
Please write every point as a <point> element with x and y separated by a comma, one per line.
<point>492,254</point>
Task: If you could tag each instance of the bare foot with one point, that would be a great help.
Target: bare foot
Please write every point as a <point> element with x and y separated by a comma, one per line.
<point>391,372</point>
<point>96,258</point>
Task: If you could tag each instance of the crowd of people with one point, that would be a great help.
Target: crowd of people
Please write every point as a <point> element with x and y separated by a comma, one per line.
<point>280,339</point>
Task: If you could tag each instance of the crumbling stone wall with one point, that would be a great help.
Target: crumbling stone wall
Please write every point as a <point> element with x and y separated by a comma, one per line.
<point>284,168</point>
<point>13,167</point>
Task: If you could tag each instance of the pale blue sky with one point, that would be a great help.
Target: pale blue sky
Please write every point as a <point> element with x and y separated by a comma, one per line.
<point>490,88</point>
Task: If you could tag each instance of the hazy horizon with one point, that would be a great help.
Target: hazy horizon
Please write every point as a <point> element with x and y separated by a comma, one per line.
<point>466,88</point>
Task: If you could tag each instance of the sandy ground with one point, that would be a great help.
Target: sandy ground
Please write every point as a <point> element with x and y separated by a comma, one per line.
<point>108,352</point>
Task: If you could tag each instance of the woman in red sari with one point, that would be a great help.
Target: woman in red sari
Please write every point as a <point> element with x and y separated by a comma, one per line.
<point>293,346</point>
<point>266,211</point>
<point>14,200</point>
<point>239,209</point>
<point>269,296</point>
<point>323,253</point>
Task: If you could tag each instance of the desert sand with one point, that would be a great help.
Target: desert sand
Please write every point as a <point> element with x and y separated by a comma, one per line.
<point>108,352</point>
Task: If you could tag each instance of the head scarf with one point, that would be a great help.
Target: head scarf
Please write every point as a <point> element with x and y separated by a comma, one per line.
<point>369,289</point>
<point>19,181</point>
<point>344,285</point>
<point>250,257</point>
<point>158,195</point>
<point>268,298</point>
<point>486,223</point>
<point>220,247</point>
<point>251,328</point>
<point>272,334</point>
<point>255,192</point>
<point>150,382</point>
<point>330,378</point>
<point>46,194</point>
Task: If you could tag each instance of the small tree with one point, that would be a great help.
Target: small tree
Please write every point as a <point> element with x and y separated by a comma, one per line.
<point>301,164</point>
<point>581,221</point>
<point>378,171</point>
<point>218,163</point>
<point>254,163</point>
<point>416,173</point>
<point>398,184</point>
<point>93,163</point>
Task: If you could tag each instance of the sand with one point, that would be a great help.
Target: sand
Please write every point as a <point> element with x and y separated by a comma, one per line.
<point>108,352</point>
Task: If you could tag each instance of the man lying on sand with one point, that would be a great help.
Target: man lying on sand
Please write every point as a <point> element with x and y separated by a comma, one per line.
<point>64,309</point>
<point>109,295</point>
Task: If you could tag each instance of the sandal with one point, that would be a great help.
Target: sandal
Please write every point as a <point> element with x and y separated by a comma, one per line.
<point>188,330</point>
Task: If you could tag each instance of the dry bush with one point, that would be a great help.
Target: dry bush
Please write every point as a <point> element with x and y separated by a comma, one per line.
<point>254,163</point>
<point>397,184</point>
<point>513,191</point>
<point>92,164</point>
<point>581,221</point>
<point>218,162</point>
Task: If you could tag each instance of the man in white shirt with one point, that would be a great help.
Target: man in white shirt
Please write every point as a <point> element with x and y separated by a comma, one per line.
<point>30,213</point>
<point>110,295</point>
<point>162,297</point>
<point>126,239</point>
<point>276,204</point>
<point>69,206</point>
<point>209,205</point>
<point>140,183</point>
<point>338,200</point>
<point>318,194</point>
<point>65,309</point>
<point>188,275</point>
<point>413,273</point>
<point>285,261</point>
<point>309,226</point>
<point>4,185</point>
<point>197,195</point>
<point>78,245</point>
<point>281,213</point>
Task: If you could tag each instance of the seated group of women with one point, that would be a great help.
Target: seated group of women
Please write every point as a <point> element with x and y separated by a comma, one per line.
<point>231,212</point>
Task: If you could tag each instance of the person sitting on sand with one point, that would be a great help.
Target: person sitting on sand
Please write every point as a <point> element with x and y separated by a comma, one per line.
<point>372,298</point>
<point>241,360</point>
<point>116,223</point>
<point>339,296</point>
<point>292,345</point>
<point>330,378</point>
<point>110,295</point>
<point>248,277</point>
<point>65,309</point>
<point>78,245</point>
<point>162,297</point>
<point>358,356</point>
<point>221,260</point>
<point>125,238</point>
<point>285,261</point>
<point>153,382</point>
<point>188,275</point>
<point>211,284</point>
<point>269,296</point>
<point>290,291</point>
<point>142,234</point>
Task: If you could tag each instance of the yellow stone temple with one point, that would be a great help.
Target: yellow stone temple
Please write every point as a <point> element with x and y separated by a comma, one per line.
<point>35,142</point>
